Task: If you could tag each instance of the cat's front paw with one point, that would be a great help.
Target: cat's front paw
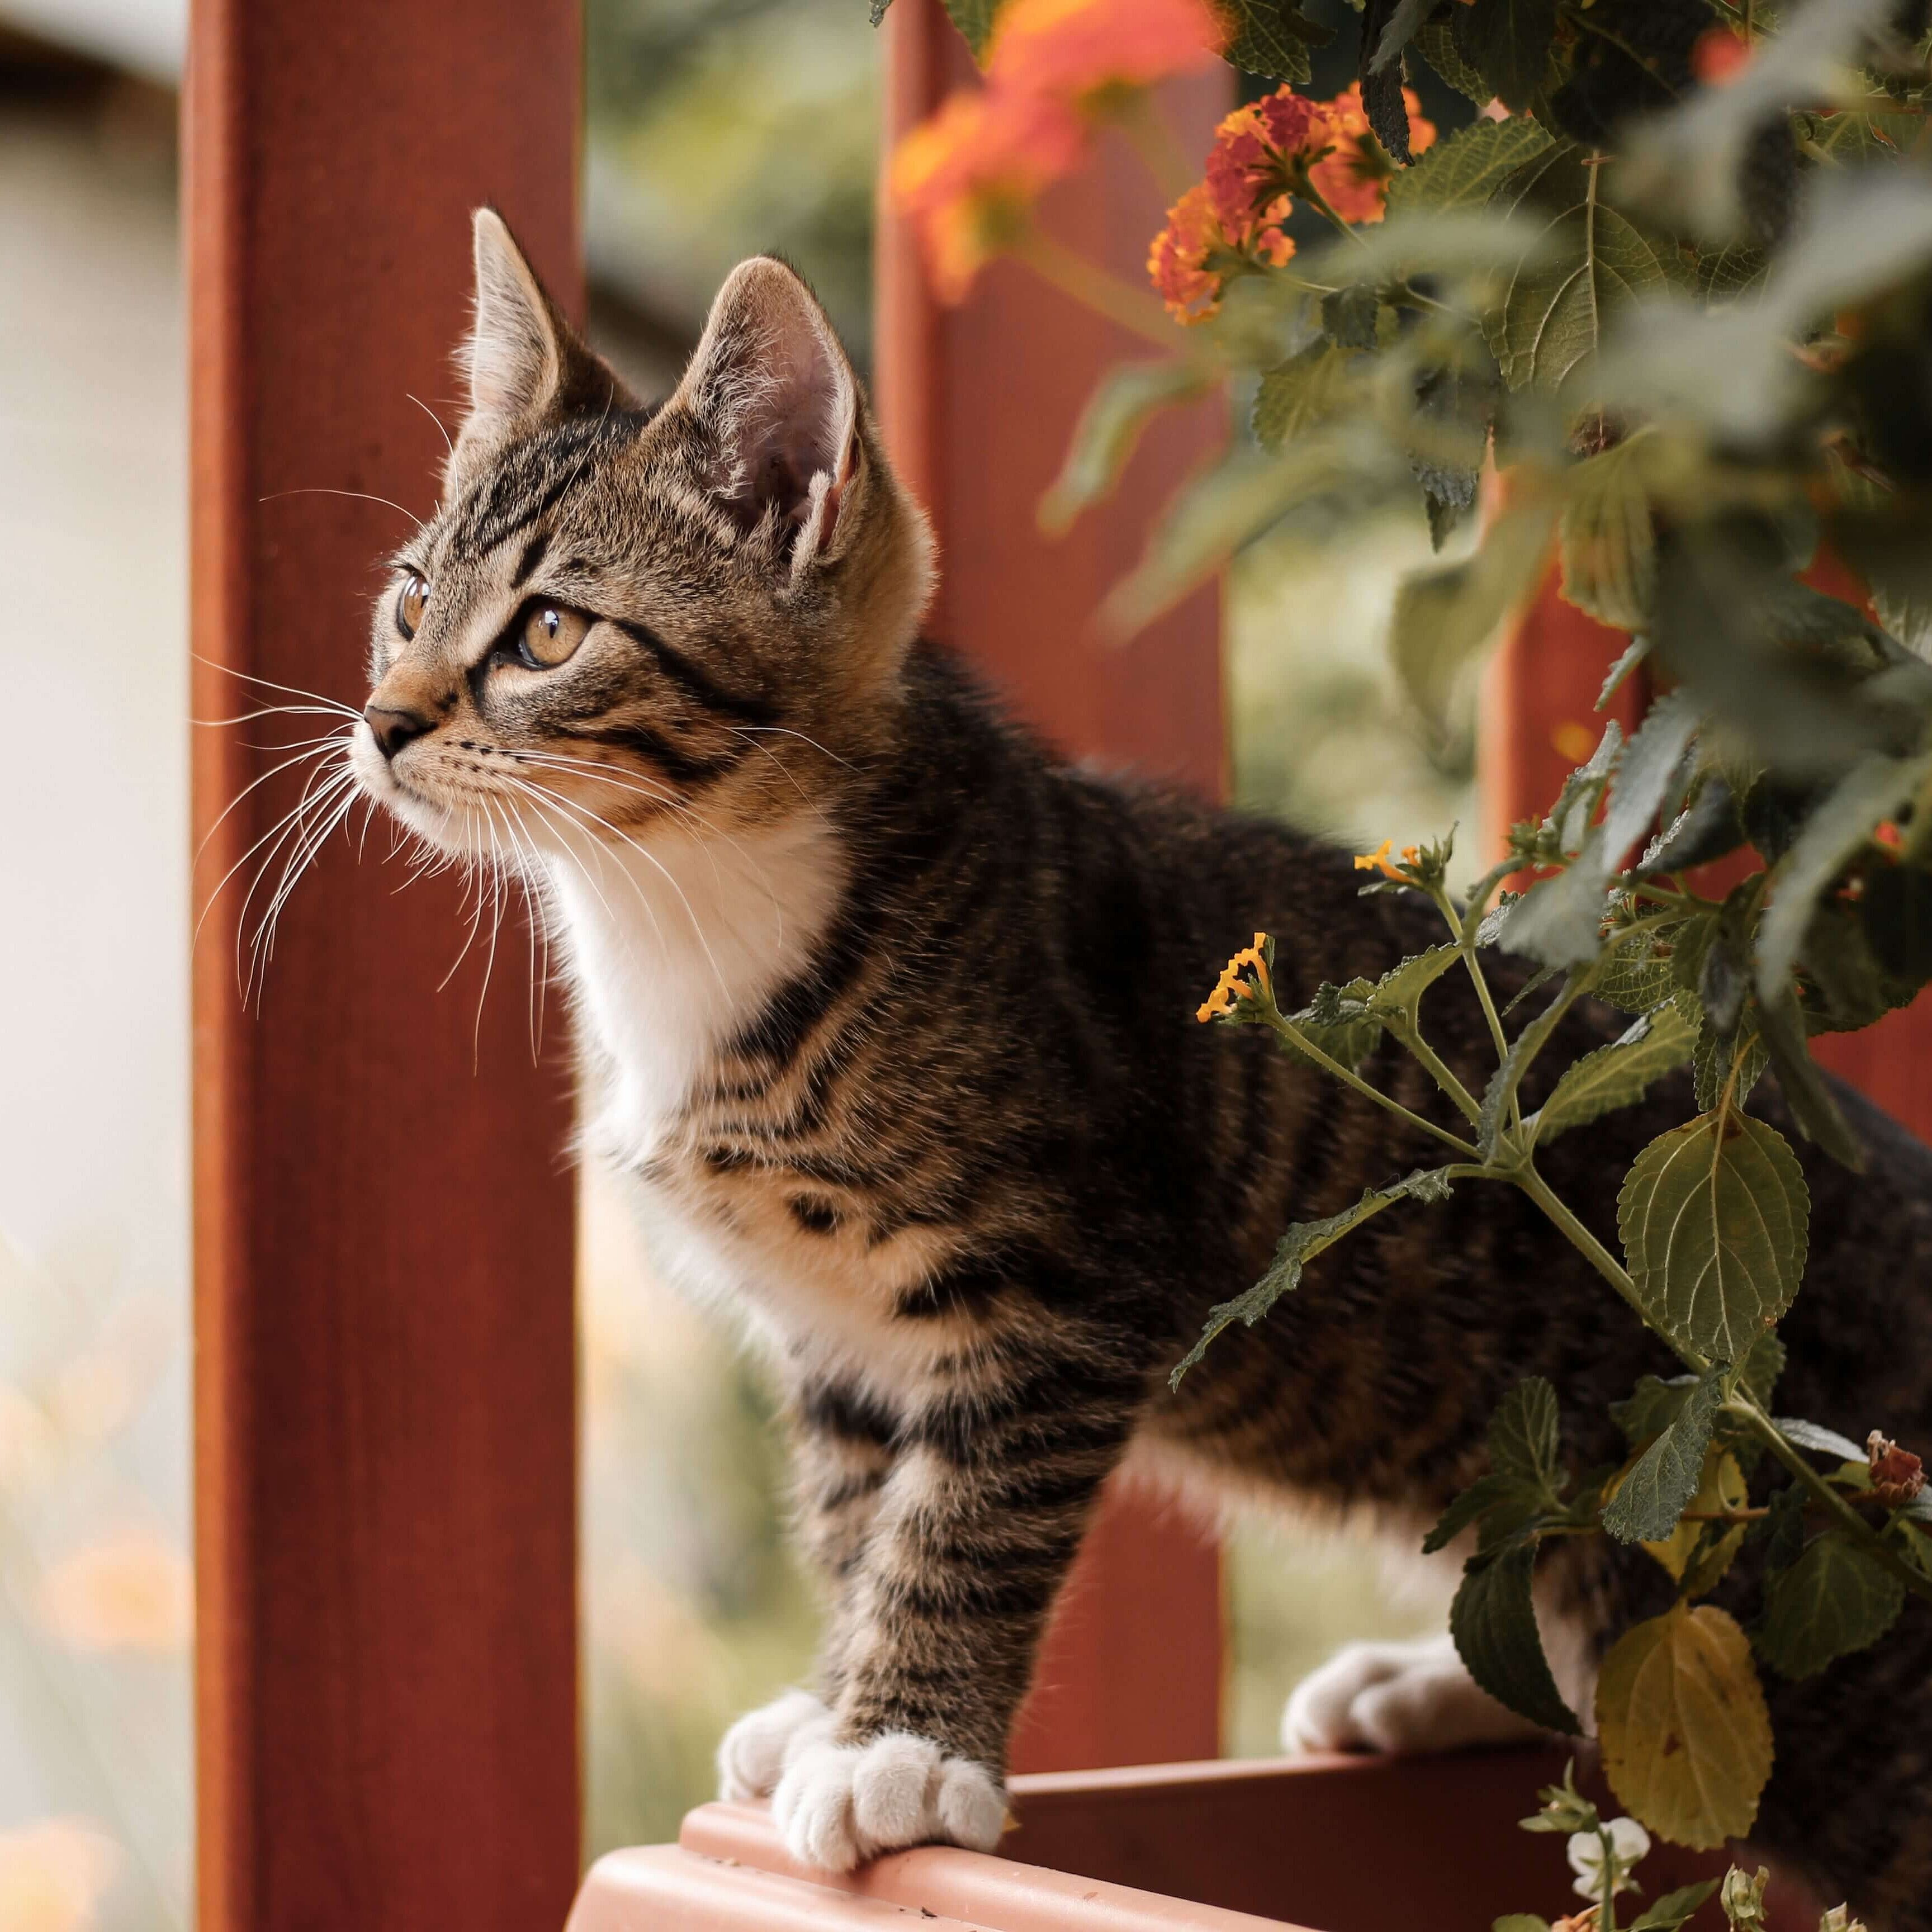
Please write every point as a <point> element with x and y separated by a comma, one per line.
<point>1395,1697</point>
<point>837,1805</point>
<point>752,1759</point>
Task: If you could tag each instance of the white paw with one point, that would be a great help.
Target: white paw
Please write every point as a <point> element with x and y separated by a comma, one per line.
<point>837,1805</point>
<point>753,1755</point>
<point>1395,1697</point>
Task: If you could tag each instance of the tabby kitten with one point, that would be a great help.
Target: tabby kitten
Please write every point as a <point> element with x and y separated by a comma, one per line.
<point>892,1020</point>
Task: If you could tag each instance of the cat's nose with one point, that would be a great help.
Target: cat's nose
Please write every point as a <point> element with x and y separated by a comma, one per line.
<point>392,728</point>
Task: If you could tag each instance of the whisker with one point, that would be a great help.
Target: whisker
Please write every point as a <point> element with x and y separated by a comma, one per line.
<point>322,490</point>
<point>278,831</point>
<point>301,758</point>
<point>651,859</point>
<point>435,418</point>
<point>269,684</point>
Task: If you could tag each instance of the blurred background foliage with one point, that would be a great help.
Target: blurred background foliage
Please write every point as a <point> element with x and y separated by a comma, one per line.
<point>717,128</point>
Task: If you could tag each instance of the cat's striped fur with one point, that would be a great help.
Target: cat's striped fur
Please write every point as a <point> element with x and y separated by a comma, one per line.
<point>892,1019</point>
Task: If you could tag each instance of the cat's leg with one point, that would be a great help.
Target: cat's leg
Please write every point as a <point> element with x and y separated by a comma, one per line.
<point>842,1455</point>
<point>1395,1697</point>
<point>1419,1696</point>
<point>991,1492</point>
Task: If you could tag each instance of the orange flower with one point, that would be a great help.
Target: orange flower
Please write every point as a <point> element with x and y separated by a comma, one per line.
<point>1079,50</point>
<point>1221,1000</point>
<point>968,177</point>
<point>1195,256</point>
<point>1354,179</point>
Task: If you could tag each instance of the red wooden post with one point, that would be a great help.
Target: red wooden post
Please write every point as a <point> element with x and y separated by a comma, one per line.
<point>978,403</point>
<point>385,1424</point>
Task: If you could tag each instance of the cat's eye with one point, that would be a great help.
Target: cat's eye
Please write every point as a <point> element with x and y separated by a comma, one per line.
<point>409,602</point>
<point>551,633</point>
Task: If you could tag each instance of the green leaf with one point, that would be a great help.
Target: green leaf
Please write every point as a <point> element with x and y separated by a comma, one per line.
<point>1801,1081</point>
<point>1448,435</point>
<point>1819,1440</point>
<point>1301,1245</point>
<point>1401,29</point>
<point>1465,170</point>
<point>1635,975</point>
<point>1674,1907</point>
<point>1443,618</point>
<point>1708,828</point>
<point>1835,1599</point>
<point>1652,1406</point>
<point>1686,1737</point>
<point>1609,548</point>
<point>1271,38</point>
<point>1559,920</point>
<point>1305,390</point>
<point>1507,42</point>
<point>1524,1433</point>
<point>1634,654</point>
<point>1698,1555</point>
<point>1717,1062</point>
<point>1724,274</point>
<point>1437,46</point>
<point>1128,397</point>
<point>1587,263</point>
<point>1655,1493</point>
<point>1396,997</point>
<point>1713,1216</point>
<point>1617,1075</point>
<point>1873,790</point>
<point>1493,1622</point>
<point>974,19</point>
<point>1759,1372</point>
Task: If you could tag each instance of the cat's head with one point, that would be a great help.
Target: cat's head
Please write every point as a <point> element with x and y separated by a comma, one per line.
<point>620,616</point>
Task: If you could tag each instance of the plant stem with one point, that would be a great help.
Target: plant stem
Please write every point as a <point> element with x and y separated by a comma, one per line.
<point>1579,1236</point>
<point>1155,141</point>
<point>1302,1043</point>
<point>1689,901</point>
<point>1607,1917</point>
<point>1457,930</point>
<point>1844,1516</point>
<point>1442,1074</point>
<point>1093,288</point>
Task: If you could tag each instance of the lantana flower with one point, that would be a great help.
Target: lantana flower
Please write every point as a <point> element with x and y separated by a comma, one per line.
<point>968,177</point>
<point>1250,958</point>
<point>1265,153</point>
<point>1087,51</point>
<point>1353,179</point>
<point>1379,861</point>
<point>1629,1842</point>
<point>1193,257</point>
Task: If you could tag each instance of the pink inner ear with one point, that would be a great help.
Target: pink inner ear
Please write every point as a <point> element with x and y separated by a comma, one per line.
<point>790,444</point>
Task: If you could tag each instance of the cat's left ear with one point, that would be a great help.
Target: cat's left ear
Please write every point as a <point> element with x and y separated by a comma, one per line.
<point>771,383</point>
<point>525,362</point>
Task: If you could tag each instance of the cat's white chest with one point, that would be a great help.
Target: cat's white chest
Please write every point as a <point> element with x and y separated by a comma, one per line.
<point>671,947</point>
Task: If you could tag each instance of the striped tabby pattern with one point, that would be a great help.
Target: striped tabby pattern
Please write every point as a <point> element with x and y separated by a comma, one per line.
<point>890,1015</point>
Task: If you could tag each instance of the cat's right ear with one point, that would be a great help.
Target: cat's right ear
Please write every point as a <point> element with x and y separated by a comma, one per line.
<point>524,361</point>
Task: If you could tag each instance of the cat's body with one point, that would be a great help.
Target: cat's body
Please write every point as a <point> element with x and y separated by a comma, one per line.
<point>893,1021</point>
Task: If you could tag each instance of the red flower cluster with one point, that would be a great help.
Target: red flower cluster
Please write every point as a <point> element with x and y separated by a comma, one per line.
<point>1264,155</point>
<point>968,177</point>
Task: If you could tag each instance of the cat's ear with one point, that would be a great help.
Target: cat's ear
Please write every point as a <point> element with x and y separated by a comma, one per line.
<point>524,360</point>
<point>770,383</point>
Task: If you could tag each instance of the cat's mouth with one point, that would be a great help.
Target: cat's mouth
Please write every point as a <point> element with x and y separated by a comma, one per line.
<point>474,800</point>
